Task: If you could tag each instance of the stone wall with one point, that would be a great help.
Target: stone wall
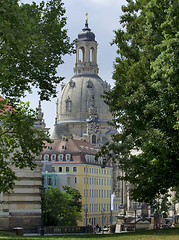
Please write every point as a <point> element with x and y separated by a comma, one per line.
<point>22,207</point>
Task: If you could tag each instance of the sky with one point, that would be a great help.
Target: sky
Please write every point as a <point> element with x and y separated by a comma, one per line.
<point>103,20</point>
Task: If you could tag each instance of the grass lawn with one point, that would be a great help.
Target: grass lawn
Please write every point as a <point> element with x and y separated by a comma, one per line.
<point>163,234</point>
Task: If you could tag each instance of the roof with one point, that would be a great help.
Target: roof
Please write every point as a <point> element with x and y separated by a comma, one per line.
<point>69,146</point>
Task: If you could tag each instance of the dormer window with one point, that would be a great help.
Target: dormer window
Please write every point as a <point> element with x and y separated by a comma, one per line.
<point>49,147</point>
<point>68,157</point>
<point>46,157</point>
<point>53,157</point>
<point>72,84</point>
<point>63,147</point>
<point>60,157</point>
<point>89,84</point>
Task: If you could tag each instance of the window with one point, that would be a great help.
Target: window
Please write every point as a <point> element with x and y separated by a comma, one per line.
<point>75,180</point>
<point>46,157</point>
<point>53,157</point>
<point>68,104</point>
<point>60,169</point>
<point>60,157</point>
<point>94,139</point>
<point>43,181</point>
<point>63,147</point>
<point>81,55</point>
<point>89,84</point>
<point>84,169</point>
<point>49,181</point>
<point>68,156</point>
<point>67,169</point>
<point>72,84</point>
<point>74,169</point>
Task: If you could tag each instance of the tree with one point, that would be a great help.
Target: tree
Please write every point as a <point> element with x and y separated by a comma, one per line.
<point>144,100</point>
<point>59,209</point>
<point>76,197</point>
<point>32,43</point>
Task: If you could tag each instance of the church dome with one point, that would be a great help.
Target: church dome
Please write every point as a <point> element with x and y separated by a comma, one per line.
<point>79,96</point>
<point>86,34</point>
<point>81,111</point>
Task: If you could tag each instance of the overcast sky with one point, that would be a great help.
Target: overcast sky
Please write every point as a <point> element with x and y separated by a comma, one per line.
<point>103,19</point>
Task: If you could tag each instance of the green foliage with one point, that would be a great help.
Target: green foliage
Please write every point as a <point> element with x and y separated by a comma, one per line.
<point>60,208</point>
<point>163,205</point>
<point>20,141</point>
<point>144,100</point>
<point>32,43</point>
<point>76,197</point>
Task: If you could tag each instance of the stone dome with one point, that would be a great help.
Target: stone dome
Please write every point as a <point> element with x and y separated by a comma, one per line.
<point>81,111</point>
<point>79,96</point>
<point>86,34</point>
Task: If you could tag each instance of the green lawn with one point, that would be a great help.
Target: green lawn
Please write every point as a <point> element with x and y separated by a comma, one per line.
<point>164,234</point>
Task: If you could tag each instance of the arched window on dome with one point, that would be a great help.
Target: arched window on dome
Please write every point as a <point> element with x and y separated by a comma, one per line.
<point>92,55</point>
<point>94,139</point>
<point>68,104</point>
<point>72,84</point>
<point>89,84</point>
<point>81,56</point>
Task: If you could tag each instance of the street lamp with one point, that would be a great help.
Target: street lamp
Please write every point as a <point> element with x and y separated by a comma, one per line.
<point>86,215</point>
<point>42,191</point>
<point>102,212</point>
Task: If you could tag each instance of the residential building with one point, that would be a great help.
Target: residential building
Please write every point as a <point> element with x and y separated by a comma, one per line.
<point>76,158</point>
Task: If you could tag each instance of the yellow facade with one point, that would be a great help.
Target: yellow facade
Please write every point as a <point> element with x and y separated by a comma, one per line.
<point>94,184</point>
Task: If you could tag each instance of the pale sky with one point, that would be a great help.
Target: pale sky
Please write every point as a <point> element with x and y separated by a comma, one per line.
<point>103,19</point>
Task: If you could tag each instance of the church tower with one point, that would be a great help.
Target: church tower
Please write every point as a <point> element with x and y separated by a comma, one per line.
<point>81,111</point>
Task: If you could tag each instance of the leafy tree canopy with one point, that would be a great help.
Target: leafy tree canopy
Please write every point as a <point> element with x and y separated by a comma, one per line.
<point>76,197</point>
<point>59,209</point>
<point>144,100</point>
<point>32,43</point>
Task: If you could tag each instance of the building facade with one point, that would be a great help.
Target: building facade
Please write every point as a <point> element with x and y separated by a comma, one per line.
<point>22,207</point>
<point>75,159</point>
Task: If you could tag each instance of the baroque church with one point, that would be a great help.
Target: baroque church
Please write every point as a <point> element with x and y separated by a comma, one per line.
<point>81,111</point>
